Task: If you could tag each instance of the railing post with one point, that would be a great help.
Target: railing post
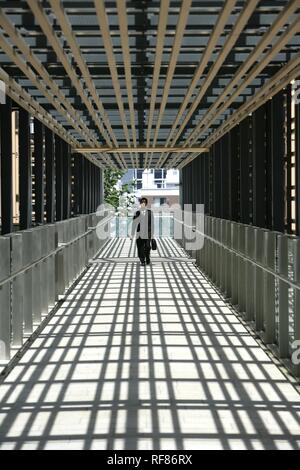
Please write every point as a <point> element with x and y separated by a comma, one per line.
<point>241,269</point>
<point>77,249</point>
<point>17,290</point>
<point>44,281</point>
<point>5,300</point>
<point>219,255</point>
<point>259,278</point>
<point>209,243</point>
<point>283,338</point>
<point>82,242</point>
<point>28,281</point>
<point>269,288</point>
<point>67,251</point>
<point>36,276</point>
<point>160,226</point>
<point>60,281</point>
<point>214,255</point>
<point>229,259</point>
<point>250,270</point>
<point>296,245</point>
<point>224,263</point>
<point>52,245</point>
<point>234,264</point>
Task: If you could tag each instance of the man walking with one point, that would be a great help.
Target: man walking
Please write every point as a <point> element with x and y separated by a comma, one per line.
<point>143,227</point>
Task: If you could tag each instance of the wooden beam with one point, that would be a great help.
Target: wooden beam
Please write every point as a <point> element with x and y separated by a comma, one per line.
<point>105,31</point>
<point>273,86</point>
<point>227,97</point>
<point>69,35</point>
<point>226,49</point>
<point>213,40</point>
<point>182,20</point>
<point>47,29</point>
<point>17,93</point>
<point>122,14</point>
<point>141,150</point>
<point>218,108</point>
<point>24,99</point>
<point>289,72</point>
<point>161,32</point>
<point>54,95</point>
<point>27,102</point>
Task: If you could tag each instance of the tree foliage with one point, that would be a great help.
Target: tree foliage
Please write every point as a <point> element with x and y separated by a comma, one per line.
<point>113,195</point>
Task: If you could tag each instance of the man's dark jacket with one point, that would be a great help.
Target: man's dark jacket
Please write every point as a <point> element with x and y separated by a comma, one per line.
<point>144,229</point>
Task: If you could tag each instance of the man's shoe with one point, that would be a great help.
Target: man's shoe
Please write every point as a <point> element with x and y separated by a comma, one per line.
<point>143,263</point>
<point>148,262</point>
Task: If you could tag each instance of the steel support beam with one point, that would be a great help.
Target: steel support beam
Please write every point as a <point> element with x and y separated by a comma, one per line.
<point>278,163</point>
<point>96,188</point>
<point>217,181</point>
<point>86,186</point>
<point>259,130</point>
<point>39,172</point>
<point>211,181</point>
<point>288,140</point>
<point>76,184</point>
<point>6,167</point>
<point>82,195</point>
<point>90,190</point>
<point>202,179</point>
<point>50,176</point>
<point>234,174</point>
<point>66,164</point>
<point>245,150</point>
<point>25,170</point>
<point>297,128</point>
<point>225,176</point>
<point>59,178</point>
<point>206,183</point>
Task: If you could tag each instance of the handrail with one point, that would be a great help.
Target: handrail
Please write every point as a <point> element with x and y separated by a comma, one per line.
<point>279,276</point>
<point>60,247</point>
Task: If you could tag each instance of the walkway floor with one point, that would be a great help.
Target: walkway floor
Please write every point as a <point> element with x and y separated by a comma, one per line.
<point>147,358</point>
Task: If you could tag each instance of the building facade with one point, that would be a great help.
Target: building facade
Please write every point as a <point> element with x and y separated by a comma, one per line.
<point>159,186</point>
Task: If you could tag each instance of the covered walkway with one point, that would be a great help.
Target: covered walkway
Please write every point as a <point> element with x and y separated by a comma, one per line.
<point>147,358</point>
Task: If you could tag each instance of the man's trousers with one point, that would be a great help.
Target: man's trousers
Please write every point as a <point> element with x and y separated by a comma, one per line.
<point>144,248</point>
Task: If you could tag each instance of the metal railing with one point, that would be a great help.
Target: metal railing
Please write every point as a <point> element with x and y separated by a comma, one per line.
<point>163,226</point>
<point>259,271</point>
<point>37,267</point>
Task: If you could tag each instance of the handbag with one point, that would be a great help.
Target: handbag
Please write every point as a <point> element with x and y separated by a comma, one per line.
<point>153,244</point>
<point>153,241</point>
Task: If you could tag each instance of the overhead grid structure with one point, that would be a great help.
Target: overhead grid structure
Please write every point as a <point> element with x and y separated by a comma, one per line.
<point>146,73</point>
<point>208,87</point>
